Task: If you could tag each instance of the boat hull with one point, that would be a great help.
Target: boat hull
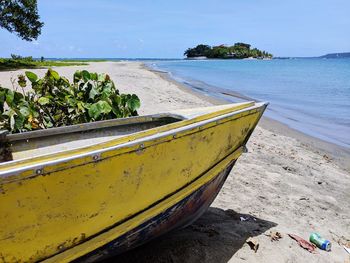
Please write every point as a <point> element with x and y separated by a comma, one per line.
<point>63,206</point>
<point>179,215</point>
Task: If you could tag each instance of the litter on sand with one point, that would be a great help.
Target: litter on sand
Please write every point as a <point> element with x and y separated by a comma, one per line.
<point>320,242</point>
<point>303,243</point>
<point>247,218</point>
<point>253,243</point>
<point>347,249</point>
<point>274,235</point>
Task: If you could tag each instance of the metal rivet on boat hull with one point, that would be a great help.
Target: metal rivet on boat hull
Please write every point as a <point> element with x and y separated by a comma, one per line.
<point>96,157</point>
<point>39,171</point>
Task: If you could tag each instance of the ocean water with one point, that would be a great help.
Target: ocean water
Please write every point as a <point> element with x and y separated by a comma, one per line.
<point>309,95</point>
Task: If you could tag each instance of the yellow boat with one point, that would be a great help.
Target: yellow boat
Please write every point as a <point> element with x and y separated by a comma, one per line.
<point>90,191</point>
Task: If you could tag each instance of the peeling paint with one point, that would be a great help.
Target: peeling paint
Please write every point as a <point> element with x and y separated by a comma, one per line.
<point>183,213</point>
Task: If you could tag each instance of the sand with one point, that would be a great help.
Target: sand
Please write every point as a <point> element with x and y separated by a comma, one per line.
<point>287,182</point>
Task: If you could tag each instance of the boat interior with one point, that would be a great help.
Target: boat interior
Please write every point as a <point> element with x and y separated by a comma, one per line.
<point>18,146</point>
<point>42,142</point>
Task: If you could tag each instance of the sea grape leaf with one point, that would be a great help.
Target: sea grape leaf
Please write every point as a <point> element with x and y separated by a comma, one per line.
<point>28,126</point>
<point>10,95</point>
<point>93,76</point>
<point>17,97</point>
<point>24,111</point>
<point>19,121</point>
<point>48,123</point>
<point>81,106</point>
<point>86,75</point>
<point>118,100</point>
<point>77,76</point>
<point>98,108</point>
<point>93,92</point>
<point>90,97</point>
<point>133,102</point>
<point>65,80</point>
<point>57,117</point>
<point>44,101</point>
<point>54,74</point>
<point>31,76</point>
<point>101,77</point>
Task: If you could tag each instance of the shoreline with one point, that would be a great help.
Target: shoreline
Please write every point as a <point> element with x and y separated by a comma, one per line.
<point>338,153</point>
<point>303,109</point>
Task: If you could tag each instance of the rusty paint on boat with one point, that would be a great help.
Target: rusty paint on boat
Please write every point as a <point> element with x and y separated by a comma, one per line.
<point>180,215</point>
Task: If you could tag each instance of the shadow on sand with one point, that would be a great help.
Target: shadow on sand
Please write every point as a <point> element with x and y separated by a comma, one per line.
<point>214,237</point>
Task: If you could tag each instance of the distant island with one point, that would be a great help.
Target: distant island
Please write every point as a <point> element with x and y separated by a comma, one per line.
<point>237,51</point>
<point>337,55</point>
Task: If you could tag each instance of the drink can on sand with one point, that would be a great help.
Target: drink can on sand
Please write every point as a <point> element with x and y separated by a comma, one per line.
<point>320,242</point>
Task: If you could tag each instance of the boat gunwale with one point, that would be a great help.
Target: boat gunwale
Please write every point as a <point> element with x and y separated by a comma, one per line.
<point>149,132</point>
<point>92,126</point>
<point>155,138</point>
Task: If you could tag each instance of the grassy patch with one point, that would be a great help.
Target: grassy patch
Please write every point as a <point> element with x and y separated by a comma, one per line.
<point>13,64</point>
<point>84,60</point>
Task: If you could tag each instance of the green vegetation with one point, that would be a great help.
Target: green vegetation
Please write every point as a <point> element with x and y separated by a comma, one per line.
<point>21,17</point>
<point>53,101</point>
<point>85,60</point>
<point>19,62</point>
<point>237,51</point>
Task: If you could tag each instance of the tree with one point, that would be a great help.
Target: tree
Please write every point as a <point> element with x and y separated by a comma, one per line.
<point>198,51</point>
<point>242,45</point>
<point>202,49</point>
<point>190,53</point>
<point>21,17</point>
<point>255,53</point>
<point>218,52</point>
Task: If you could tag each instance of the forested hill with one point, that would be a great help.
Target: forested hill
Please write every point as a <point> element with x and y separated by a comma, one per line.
<point>337,55</point>
<point>237,51</point>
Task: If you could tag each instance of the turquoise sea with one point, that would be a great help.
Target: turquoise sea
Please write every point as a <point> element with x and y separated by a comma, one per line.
<point>309,95</point>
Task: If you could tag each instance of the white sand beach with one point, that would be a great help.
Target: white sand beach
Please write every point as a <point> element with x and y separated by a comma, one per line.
<point>287,182</point>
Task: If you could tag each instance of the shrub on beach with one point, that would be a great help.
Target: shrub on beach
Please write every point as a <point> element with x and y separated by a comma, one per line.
<point>20,62</point>
<point>53,101</point>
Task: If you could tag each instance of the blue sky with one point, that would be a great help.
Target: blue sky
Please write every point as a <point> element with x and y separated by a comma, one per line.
<point>164,28</point>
